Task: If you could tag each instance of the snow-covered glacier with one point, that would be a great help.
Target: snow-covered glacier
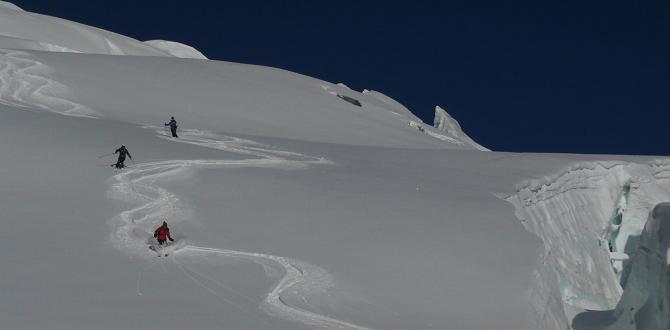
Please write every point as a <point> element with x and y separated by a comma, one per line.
<point>295,203</point>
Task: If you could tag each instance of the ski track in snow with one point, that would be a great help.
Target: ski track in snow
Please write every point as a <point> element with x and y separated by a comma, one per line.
<point>132,227</point>
<point>24,84</point>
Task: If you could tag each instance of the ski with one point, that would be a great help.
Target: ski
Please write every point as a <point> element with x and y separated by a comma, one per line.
<point>159,251</point>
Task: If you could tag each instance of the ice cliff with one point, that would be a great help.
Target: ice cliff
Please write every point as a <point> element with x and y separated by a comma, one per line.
<point>601,253</point>
<point>646,299</point>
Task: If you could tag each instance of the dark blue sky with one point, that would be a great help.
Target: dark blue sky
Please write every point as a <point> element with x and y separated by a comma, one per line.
<point>583,76</point>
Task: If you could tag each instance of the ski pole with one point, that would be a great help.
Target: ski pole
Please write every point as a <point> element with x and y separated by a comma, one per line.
<point>105,155</point>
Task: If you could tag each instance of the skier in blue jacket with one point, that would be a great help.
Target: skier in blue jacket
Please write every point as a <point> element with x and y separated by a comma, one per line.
<point>173,127</point>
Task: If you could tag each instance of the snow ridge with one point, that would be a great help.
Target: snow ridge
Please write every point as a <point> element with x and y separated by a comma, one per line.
<point>438,136</point>
<point>133,226</point>
<point>176,49</point>
<point>23,84</point>
<point>444,122</point>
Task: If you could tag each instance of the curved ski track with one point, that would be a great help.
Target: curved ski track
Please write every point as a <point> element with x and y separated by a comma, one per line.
<point>138,184</point>
<point>24,84</point>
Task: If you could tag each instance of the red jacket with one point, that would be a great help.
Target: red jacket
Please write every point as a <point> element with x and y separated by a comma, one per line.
<point>162,233</point>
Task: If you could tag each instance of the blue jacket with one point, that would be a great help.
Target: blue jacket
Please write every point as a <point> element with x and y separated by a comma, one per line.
<point>172,124</point>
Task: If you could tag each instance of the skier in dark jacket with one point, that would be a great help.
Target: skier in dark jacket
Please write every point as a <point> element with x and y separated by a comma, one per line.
<point>123,152</point>
<point>173,127</point>
<point>162,234</point>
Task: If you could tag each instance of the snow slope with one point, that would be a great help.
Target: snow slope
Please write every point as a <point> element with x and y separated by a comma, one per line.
<point>258,100</point>
<point>293,208</point>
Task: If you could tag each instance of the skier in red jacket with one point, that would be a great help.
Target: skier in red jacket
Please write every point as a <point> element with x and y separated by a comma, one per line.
<point>162,234</point>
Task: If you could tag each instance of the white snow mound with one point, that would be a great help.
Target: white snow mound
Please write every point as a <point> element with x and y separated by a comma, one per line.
<point>48,33</point>
<point>176,49</point>
<point>8,5</point>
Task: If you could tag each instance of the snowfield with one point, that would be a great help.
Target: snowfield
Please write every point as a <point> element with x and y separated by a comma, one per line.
<point>294,207</point>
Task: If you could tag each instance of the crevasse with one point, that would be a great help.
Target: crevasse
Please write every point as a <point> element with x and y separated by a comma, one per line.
<point>591,218</point>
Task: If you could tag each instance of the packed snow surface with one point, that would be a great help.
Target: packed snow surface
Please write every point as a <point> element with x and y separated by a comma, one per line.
<point>291,206</point>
